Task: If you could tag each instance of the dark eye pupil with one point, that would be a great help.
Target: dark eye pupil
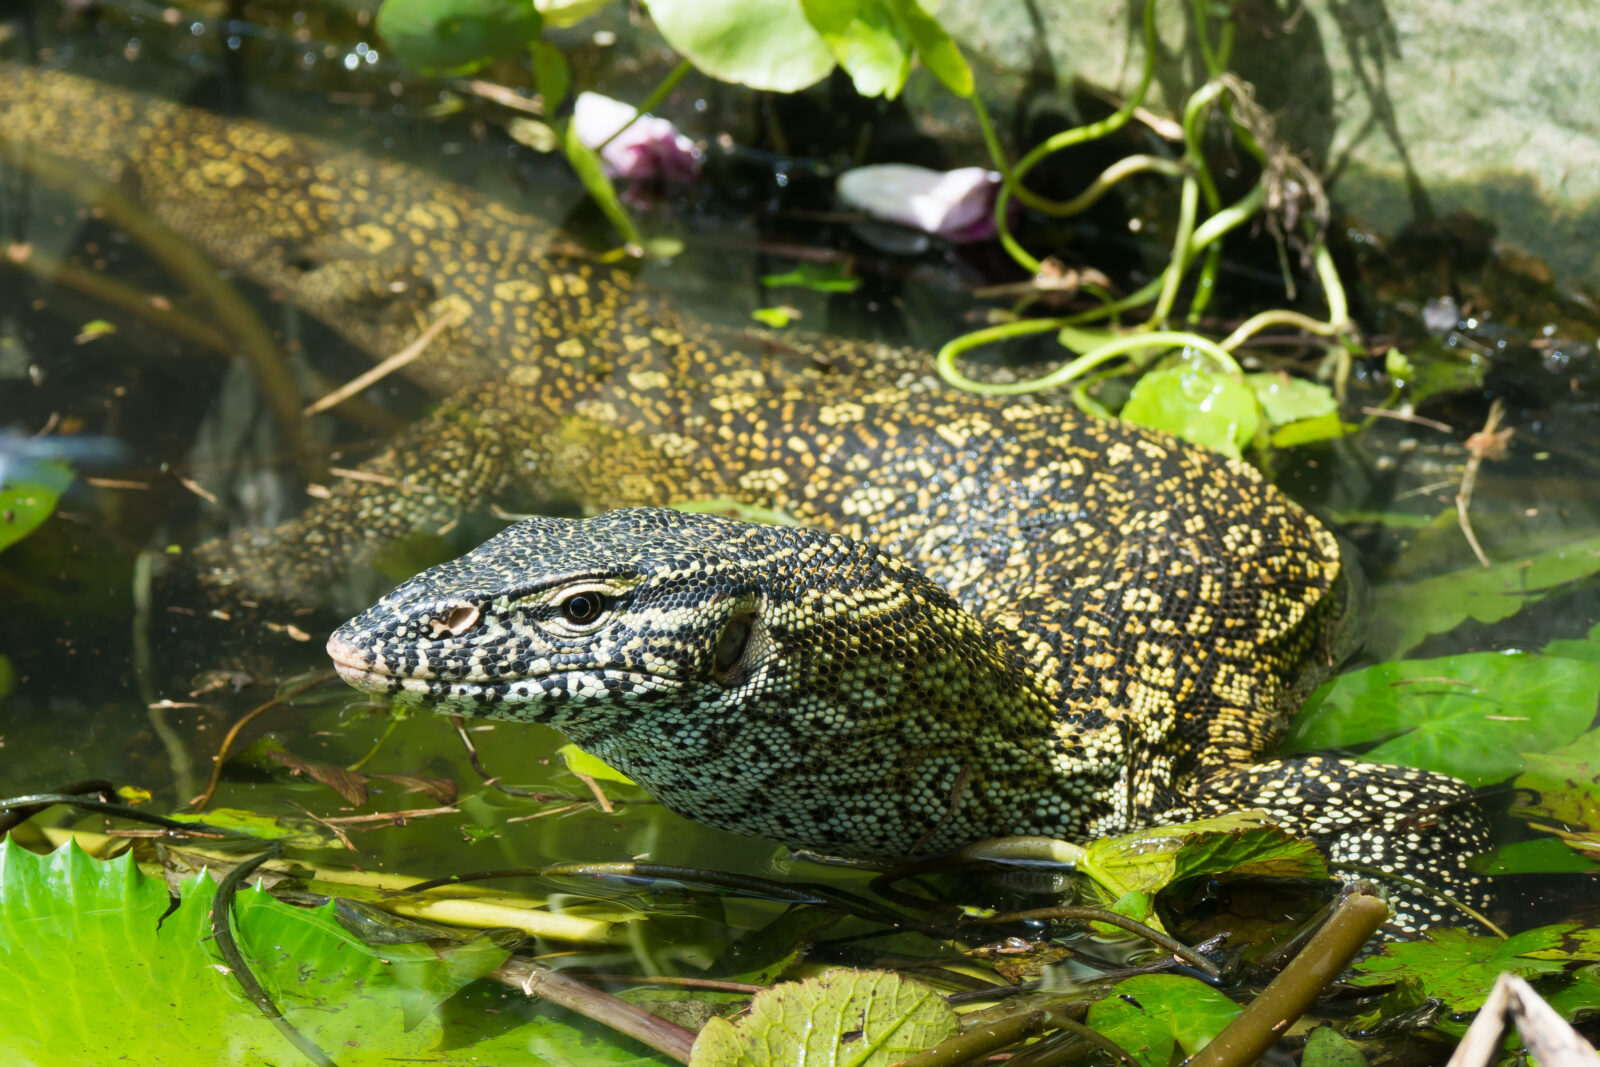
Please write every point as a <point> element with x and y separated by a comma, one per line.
<point>581,608</point>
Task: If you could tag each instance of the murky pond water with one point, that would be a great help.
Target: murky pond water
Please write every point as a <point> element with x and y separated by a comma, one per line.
<point>111,667</point>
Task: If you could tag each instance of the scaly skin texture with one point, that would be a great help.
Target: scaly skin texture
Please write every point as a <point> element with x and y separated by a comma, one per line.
<point>1141,616</point>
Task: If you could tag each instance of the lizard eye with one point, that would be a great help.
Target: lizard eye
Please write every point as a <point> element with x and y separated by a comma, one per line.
<point>582,608</point>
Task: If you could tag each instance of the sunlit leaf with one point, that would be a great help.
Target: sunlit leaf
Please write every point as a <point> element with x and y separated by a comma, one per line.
<point>776,317</point>
<point>1310,431</point>
<point>1213,410</point>
<point>1153,1015</point>
<point>823,277</point>
<point>590,766</point>
<point>83,942</point>
<point>765,44</point>
<point>456,36</point>
<point>1470,716</point>
<point>1460,968</point>
<point>868,39</point>
<point>1407,612</point>
<point>560,13</point>
<point>935,48</point>
<point>1285,399</point>
<point>863,1018</point>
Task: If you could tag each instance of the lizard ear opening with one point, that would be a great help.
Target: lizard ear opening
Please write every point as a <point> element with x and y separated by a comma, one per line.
<point>731,645</point>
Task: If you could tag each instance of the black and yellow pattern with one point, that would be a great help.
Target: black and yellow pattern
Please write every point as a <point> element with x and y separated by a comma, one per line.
<point>1009,617</point>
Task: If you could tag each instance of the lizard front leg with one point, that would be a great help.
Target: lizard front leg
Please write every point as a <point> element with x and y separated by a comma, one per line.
<point>444,467</point>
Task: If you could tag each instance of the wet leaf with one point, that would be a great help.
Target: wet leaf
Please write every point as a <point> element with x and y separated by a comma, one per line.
<point>1547,855</point>
<point>1285,399</point>
<point>269,753</point>
<point>1578,995</point>
<point>868,39</point>
<point>765,44</point>
<point>1405,613</point>
<point>823,277</point>
<point>1460,968</point>
<point>775,317</point>
<point>1310,431</point>
<point>94,330</point>
<point>456,36</point>
<point>1209,409</point>
<point>1471,716</point>
<point>1134,867</point>
<point>1326,1047</point>
<point>861,1018</point>
<point>580,762</point>
<point>28,499</point>
<point>1153,1015</point>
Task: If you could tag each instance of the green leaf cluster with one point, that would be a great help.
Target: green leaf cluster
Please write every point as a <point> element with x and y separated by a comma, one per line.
<point>1134,868</point>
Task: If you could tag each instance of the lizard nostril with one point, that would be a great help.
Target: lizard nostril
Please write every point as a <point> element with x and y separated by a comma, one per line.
<point>461,618</point>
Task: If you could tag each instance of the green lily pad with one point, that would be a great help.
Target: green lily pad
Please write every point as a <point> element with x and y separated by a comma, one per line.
<point>1153,1015</point>
<point>765,44</point>
<point>1460,968</point>
<point>1470,716</point>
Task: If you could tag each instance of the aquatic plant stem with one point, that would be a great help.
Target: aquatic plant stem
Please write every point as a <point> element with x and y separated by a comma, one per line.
<point>1254,1030</point>
<point>651,102</point>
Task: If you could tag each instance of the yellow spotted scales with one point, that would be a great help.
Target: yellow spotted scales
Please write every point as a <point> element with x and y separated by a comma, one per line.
<point>1004,617</point>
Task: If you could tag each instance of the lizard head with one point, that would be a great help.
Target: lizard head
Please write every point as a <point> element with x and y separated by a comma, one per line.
<point>767,679</point>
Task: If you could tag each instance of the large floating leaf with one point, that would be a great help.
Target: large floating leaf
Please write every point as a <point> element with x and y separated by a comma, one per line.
<point>859,1018</point>
<point>96,972</point>
<point>1564,794</point>
<point>765,44</point>
<point>1407,612</point>
<point>1152,1015</point>
<point>1470,716</point>
<point>1460,968</point>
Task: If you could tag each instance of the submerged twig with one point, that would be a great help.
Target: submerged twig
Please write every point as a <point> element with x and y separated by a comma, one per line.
<point>1110,918</point>
<point>1487,443</point>
<point>537,980</point>
<point>385,368</point>
<point>199,802</point>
